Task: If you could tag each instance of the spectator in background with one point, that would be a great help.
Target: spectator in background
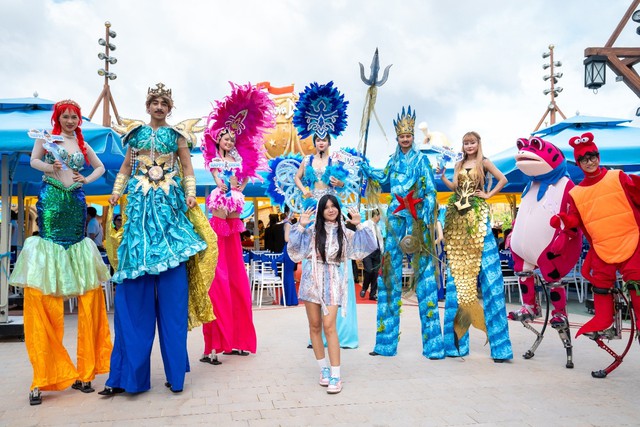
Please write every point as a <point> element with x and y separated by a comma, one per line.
<point>274,234</point>
<point>496,233</point>
<point>261,230</point>
<point>117,222</point>
<point>372,261</point>
<point>14,232</point>
<point>94,228</point>
<point>246,239</point>
<point>506,242</point>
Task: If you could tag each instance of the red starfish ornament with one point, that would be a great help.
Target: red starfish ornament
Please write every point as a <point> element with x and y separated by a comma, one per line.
<point>408,202</point>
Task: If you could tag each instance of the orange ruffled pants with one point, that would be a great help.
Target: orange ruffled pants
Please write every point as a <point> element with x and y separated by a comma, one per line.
<point>44,329</point>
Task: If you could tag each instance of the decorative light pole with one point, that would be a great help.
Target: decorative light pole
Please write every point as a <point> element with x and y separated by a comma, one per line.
<point>105,96</point>
<point>621,60</point>
<point>554,90</point>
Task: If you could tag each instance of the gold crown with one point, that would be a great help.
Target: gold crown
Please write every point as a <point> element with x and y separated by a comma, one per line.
<point>68,102</point>
<point>160,91</point>
<point>406,122</point>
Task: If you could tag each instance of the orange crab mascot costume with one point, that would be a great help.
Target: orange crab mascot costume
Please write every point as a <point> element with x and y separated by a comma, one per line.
<point>606,205</point>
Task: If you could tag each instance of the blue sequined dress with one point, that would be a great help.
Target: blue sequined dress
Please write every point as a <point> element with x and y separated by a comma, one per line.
<point>157,234</point>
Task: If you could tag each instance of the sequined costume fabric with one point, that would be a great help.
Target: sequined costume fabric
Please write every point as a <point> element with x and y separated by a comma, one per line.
<point>61,262</point>
<point>68,263</point>
<point>231,201</point>
<point>325,283</point>
<point>472,255</point>
<point>75,161</point>
<point>157,235</point>
<point>408,172</point>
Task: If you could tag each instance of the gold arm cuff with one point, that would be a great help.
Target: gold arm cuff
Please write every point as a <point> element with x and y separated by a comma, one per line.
<point>189,184</point>
<point>120,184</point>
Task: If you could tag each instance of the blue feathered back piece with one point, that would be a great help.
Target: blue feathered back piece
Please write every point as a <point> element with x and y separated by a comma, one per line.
<point>322,110</point>
<point>281,187</point>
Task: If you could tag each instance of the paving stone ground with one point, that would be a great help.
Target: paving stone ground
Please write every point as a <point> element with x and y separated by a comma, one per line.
<point>278,386</point>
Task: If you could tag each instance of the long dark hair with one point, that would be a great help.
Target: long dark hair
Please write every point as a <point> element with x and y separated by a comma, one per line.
<point>321,234</point>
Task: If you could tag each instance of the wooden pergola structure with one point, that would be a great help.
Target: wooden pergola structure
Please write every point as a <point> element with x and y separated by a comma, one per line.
<point>621,60</point>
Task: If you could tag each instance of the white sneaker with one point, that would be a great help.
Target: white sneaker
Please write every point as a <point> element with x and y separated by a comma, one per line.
<point>325,373</point>
<point>335,385</point>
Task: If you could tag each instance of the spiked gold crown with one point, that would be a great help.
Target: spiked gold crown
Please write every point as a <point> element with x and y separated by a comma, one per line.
<point>406,122</point>
<point>160,91</point>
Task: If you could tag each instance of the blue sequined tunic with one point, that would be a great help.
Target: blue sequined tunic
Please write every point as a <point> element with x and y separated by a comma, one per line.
<point>157,235</point>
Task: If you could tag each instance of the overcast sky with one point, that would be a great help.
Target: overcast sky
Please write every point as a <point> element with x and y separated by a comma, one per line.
<point>463,65</point>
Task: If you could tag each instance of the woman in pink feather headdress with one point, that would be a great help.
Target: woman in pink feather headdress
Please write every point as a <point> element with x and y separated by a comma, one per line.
<point>233,150</point>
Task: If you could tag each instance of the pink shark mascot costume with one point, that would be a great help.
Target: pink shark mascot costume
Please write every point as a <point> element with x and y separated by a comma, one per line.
<point>534,242</point>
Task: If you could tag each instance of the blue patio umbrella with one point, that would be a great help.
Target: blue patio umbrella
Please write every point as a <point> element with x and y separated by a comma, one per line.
<point>19,115</point>
<point>619,144</point>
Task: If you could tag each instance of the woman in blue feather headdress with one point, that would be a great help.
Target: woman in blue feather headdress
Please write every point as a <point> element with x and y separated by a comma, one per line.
<point>321,111</point>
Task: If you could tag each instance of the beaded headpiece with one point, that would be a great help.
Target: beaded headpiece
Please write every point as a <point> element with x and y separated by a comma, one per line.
<point>67,102</point>
<point>247,113</point>
<point>160,91</point>
<point>321,110</point>
<point>405,122</point>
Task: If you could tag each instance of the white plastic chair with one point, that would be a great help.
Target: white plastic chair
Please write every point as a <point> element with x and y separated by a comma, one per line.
<point>407,271</point>
<point>254,271</point>
<point>509,278</point>
<point>271,280</point>
<point>107,287</point>
<point>575,277</point>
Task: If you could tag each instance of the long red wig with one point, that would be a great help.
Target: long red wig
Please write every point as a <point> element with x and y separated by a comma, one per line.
<point>58,109</point>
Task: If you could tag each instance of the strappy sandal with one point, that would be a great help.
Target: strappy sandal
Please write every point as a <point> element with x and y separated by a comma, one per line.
<point>211,360</point>
<point>84,387</point>
<point>237,353</point>
<point>35,397</point>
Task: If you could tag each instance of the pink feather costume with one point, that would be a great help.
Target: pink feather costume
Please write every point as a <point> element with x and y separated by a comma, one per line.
<point>247,113</point>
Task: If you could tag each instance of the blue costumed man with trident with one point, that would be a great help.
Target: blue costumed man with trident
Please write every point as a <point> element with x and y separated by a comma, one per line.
<point>411,230</point>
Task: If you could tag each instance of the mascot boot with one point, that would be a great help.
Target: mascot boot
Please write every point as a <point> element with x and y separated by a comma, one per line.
<point>530,309</point>
<point>603,317</point>
<point>558,297</point>
<point>633,287</point>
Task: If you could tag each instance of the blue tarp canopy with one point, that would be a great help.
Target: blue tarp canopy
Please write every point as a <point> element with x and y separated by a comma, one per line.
<point>19,115</point>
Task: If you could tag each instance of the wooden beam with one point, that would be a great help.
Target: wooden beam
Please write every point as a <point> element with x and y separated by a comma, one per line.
<point>617,51</point>
<point>95,106</point>
<point>630,77</point>
<point>622,23</point>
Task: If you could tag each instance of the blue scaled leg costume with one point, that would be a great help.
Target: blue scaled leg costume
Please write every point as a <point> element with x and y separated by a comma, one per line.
<point>411,180</point>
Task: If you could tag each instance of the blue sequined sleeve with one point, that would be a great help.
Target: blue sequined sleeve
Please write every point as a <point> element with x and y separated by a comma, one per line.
<point>381,176</point>
<point>299,245</point>
<point>427,190</point>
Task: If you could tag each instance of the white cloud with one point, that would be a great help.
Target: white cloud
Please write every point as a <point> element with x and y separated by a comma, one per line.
<point>462,65</point>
